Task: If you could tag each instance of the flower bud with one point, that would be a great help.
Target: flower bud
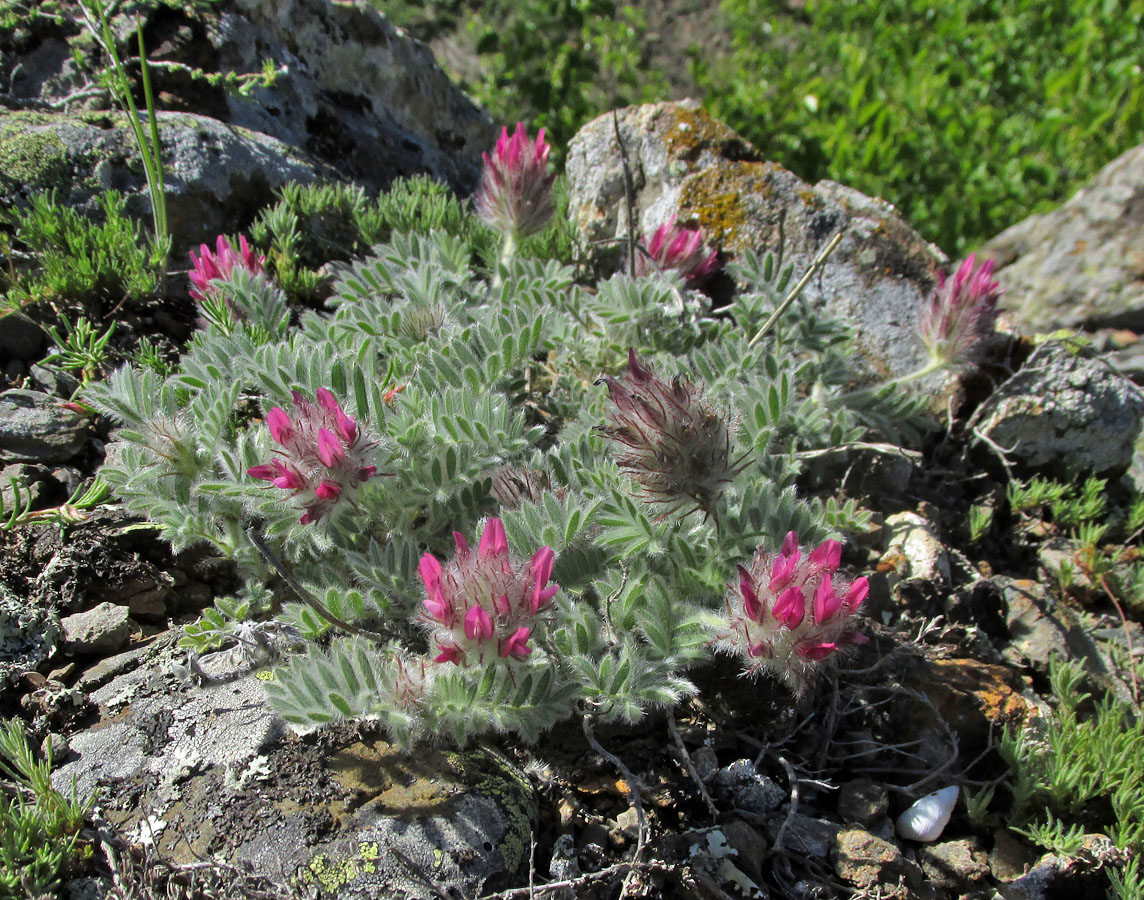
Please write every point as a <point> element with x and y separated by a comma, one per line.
<point>670,439</point>
<point>322,454</point>
<point>482,607</point>
<point>515,196</point>
<point>682,249</point>
<point>960,313</point>
<point>208,267</point>
<point>788,611</point>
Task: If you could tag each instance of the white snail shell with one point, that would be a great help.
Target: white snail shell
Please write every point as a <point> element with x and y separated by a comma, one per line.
<point>926,819</point>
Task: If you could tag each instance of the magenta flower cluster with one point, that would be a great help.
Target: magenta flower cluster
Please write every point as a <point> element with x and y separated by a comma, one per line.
<point>208,266</point>
<point>790,610</point>
<point>322,455</point>
<point>515,196</point>
<point>482,607</point>
<point>673,247</point>
<point>960,313</point>
<point>671,440</point>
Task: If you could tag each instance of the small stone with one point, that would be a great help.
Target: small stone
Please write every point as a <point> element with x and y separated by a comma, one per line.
<point>914,550</point>
<point>149,604</point>
<point>866,861</point>
<point>54,381</point>
<point>805,834</point>
<point>705,761</point>
<point>20,337</point>
<point>107,668</point>
<point>104,629</point>
<point>56,747</point>
<point>955,865</point>
<point>741,787</point>
<point>62,674</point>
<point>749,845</point>
<point>863,801</point>
<point>1010,858</point>
<point>35,428</point>
<point>31,481</point>
<point>628,824</point>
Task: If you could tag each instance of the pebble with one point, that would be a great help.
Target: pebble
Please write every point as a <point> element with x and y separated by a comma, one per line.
<point>862,801</point>
<point>103,629</point>
<point>740,786</point>
<point>35,428</point>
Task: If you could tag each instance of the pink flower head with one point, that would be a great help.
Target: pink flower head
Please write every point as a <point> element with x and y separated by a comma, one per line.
<point>482,607</point>
<point>788,611</point>
<point>208,267</point>
<point>321,454</point>
<point>670,439</point>
<point>515,196</point>
<point>674,247</point>
<point>960,313</point>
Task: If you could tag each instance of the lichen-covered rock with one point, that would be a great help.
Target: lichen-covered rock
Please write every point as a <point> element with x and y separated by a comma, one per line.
<point>352,89</point>
<point>684,162</point>
<point>35,428</point>
<point>1065,413</point>
<point>1079,265</point>
<point>217,176</point>
<point>211,771</point>
<point>28,636</point>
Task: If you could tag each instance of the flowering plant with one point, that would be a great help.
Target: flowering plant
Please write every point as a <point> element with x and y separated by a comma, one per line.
<point>583,425</point>
<point>677,248</point>
<point>208,267</point>
<point>960,313</point>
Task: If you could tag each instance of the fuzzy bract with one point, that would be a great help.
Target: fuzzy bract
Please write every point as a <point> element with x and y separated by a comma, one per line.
<point>674,247</point>
<point>960,313</point>
<point>208,266</point>
<point>515,196</point>
<point>672,441</point>
<point>322,456</point>
<point>788,611</point>
<point>485,606</point>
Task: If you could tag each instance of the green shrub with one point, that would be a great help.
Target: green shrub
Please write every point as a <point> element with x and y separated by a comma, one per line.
<point>82,262</point>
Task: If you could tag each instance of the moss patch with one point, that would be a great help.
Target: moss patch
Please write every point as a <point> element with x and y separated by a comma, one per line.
<point>32,157</point>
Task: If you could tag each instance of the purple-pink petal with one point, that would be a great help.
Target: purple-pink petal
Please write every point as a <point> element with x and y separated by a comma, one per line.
<point>330,449</point>
<point>493,540</point>
<point>279,424</point>
<point>478,624</point>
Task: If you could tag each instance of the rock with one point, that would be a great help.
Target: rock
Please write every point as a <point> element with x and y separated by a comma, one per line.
<point>862,801</point>
<point>107,668</point>
<point>954,865</point>
<point>1010,857</point>
<point>740,786</point>
<point>20,337</point>
<point>28,636</point>
<point>35,428</point>
<point>1079,265</point>
<point>352,89</point>
<point>805,835</point>
<point>914,550</point>
<point>221,776</point>
<point>866,861</point>
<point>1065,414</point>
<point>104,629</point>
<point>1040,628</point>
<point>34,483</point>
<point>51,380</point>
<point>216,175</point>
<point>55,747</point>
<point>1060,876</point>
<point>684,162</point>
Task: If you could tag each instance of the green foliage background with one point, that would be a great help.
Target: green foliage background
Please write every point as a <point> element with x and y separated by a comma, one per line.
<point>967,114</point>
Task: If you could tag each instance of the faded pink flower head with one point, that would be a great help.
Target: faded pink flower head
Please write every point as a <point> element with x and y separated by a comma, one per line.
<point>960,313</point>
<point>671,440</point>
<point>674,247</point>
<point>208,267</point>
<point>322,455</point>
<point>515,196</point>
<point>484,606</point>
<point>788,611</point>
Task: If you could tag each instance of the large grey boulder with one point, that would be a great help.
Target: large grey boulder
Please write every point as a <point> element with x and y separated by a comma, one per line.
<point>1081,264</point>
<point>352,89</point>
<point>684,162</point>
<point>1065,413</point>
<point>217,175</point>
